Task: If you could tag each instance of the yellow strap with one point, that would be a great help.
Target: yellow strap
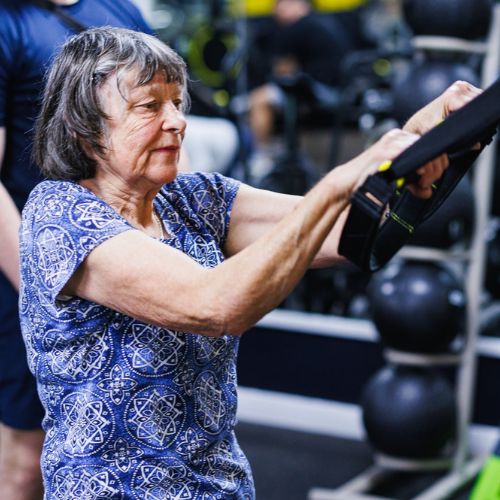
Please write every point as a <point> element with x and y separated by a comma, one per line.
<point>402,222</point>
<point>386,165</point>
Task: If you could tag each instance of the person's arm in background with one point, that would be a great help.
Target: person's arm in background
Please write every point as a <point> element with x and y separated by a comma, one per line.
<point>9,226</point>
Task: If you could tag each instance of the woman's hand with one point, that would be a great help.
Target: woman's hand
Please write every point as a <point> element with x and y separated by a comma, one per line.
<point>428,175</point>
<point>352,175</point>
<point>453,98</point>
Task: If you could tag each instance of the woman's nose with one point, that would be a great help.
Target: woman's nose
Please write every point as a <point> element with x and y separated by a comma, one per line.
<point>173,119</point>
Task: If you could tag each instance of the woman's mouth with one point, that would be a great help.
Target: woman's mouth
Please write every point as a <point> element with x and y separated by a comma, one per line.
<point>167,149</point>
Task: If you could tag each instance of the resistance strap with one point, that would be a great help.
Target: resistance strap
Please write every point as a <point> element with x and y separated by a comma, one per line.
<point>367,240</point>
<point>66,18</point>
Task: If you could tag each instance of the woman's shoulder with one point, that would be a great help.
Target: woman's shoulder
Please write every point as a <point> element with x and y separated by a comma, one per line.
<point>50,188</point>
<point>65,202</point>
<point>200,200</point>
<point>189,182</point>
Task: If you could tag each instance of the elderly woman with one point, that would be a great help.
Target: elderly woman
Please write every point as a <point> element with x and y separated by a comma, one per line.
<point>136,282</point>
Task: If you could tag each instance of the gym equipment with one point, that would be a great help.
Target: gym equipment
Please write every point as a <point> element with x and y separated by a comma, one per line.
<point>409,412</point>
<point>492,273</point>
<point>469,19</point>
<point>490,320</point>
<point>425,80</point>
<point>213,43</point>
<point>417,306</point>
<point>292,172</point>
<point>370,244</point>
<point>487,486</point>
<point>315,293</point>
<point>495,202</point>
<point>461,466</point>
<point>214,51</point>
<point>340,290</point>
<point>452,223</point>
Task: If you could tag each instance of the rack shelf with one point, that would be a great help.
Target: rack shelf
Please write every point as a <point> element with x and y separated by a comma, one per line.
<point>340,327</point>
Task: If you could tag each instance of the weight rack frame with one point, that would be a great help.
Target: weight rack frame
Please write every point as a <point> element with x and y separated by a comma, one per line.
<point>461,467</point>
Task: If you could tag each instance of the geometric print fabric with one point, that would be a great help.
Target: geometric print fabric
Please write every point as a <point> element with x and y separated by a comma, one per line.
<point>133,411</point>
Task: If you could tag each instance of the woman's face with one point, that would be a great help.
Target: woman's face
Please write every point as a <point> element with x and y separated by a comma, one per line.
<point>144,132</point>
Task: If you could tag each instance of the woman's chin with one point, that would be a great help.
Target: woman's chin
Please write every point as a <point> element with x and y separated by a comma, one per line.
<point>169,175</point>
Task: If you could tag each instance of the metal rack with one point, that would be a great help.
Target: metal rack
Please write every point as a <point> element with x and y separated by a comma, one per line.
<point>459,469</point>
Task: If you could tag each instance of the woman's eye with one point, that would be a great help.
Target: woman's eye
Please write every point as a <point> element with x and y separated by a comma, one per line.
<point>149,105</point>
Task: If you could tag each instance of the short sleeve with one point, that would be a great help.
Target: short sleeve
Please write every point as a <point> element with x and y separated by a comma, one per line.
<point>210,197</point>
<point>62,223</point>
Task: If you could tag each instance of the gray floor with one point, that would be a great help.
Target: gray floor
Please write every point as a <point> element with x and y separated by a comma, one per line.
<point>286,464</point>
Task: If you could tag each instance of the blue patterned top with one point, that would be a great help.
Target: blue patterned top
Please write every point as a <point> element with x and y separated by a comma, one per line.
<point>133,411</point>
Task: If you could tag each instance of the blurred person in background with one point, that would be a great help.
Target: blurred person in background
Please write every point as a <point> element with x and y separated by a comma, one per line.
<point>295,40</point>
<point>30,34</point>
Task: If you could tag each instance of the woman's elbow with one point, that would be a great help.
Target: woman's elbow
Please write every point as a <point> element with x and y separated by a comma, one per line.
<point>229,321</point>
<point>231,325</point>
<point>226,313</point>
<point>238,321</point>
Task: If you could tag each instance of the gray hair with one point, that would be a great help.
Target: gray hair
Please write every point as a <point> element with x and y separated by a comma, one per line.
<point>72,120</point>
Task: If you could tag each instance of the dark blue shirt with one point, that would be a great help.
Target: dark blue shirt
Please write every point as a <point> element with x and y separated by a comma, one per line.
<point>29,39</point>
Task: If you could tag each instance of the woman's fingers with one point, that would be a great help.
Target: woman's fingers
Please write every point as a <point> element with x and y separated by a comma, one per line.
<point>457,95</point>
<point>432,171</point>
<point>428,175</point>
<point>388,147</point>
<point>393,143</point>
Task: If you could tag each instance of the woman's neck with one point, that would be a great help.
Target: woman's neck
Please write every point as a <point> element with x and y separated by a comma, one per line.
<point>137,208</point>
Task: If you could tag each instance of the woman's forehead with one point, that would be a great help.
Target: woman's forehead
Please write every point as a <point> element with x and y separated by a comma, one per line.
<point>128,82</point>
<point>132,77</point>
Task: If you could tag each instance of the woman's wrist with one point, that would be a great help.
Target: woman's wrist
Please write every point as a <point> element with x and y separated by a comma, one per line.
<point>341,182</point>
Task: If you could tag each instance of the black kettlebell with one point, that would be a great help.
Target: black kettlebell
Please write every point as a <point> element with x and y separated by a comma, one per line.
<point>409,411</point>
<point>417,306</point>
<point>469,19</point>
